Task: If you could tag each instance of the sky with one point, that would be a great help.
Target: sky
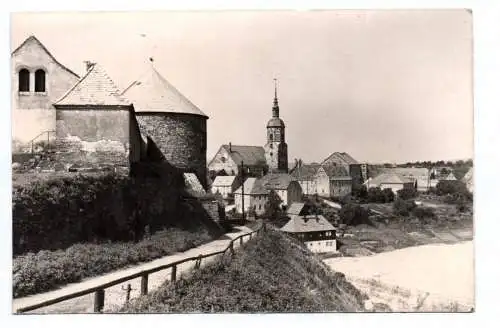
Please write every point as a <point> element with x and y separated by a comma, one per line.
<point>384,86</point>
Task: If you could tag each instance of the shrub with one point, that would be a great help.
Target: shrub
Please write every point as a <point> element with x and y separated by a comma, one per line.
<point>457,188</point>
<point>56,213</point>
<point>424,212</point>
<point>46,270</point>
<point>351,214</point>
<point>388,195</point>
<point>360,191</point>
<point>272,210</point>
<point>407,193</point>
<point>403,207</point>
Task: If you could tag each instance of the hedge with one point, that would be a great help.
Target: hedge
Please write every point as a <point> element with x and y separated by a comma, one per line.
<point>46,270</point>
<point>56,213</point>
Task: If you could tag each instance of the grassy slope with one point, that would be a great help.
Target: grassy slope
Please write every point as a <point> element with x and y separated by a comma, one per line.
<point>271,273</point>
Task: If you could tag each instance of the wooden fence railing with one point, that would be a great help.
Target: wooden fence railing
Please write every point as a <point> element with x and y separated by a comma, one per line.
<point>99,295</point>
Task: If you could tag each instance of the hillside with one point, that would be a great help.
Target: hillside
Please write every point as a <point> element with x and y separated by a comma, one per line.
<point>271,273</point>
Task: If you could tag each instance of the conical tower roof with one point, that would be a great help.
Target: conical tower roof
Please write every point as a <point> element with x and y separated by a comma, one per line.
<point>95,88</point>
<point>153,93</point>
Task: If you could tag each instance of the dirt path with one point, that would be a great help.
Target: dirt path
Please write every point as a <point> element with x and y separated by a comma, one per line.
<point>115,296</point>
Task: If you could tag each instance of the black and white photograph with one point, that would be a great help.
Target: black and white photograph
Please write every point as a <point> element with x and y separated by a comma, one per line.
<point>242,161</point>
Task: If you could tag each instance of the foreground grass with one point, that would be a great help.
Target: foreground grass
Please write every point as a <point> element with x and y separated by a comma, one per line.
<point>43,271</point>
<point>271,273</point>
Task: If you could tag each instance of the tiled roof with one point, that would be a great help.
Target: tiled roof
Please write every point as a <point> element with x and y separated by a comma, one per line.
<point>336,172</point>
<point>250,155</point>
<point>309,223</point>
<point>305,171</point>
<point>34,39</point>
<point>95,88</point>
<point>280,181</point>
<point>153,93</point>
<point>224,180</point>
<point>388,178</point>
<point>252,187</point>
<point>193,185</point>
<point>295,209</point>
<point>345,158</point>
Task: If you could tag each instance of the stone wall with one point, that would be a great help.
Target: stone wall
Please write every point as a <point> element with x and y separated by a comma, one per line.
<point>181,138</point>
<point>90,138</point>
<point>32,112</point>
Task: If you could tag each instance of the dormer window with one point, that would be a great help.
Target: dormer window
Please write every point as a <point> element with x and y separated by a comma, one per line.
<point>24,80</point>
<point>40,80</point>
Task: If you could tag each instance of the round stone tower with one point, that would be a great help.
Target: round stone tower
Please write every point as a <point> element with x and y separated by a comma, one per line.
<point>173,125</point>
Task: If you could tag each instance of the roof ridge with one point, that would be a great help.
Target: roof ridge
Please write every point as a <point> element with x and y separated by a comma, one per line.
<point>32,37</point>
<point>75,85</point>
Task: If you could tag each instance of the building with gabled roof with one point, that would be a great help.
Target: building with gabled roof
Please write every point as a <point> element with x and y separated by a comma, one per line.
<point>421,176</point>
<point>225,185</point>
<point>230,157</point>
<point>305,174</point>
<point>251,195</point>
<point>284,185</point>
<point>333,181</point>
<point>315,231</point>
<point>95,124</point>
<point>392,181</point>
<point>173,123</point>
<point>38,79</point>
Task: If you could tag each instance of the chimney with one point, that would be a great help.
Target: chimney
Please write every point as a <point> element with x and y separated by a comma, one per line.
<point>88,64</point>
<point>230,150</point>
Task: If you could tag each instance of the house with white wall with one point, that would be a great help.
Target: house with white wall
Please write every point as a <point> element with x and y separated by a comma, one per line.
<point>251,194</point>
<point>224,185</point>
<point>285,186</point>
<point>314,231</point>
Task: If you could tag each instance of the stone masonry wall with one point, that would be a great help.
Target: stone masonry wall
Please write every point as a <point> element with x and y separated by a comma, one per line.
<point>93,138</point>
<point>181,138</point>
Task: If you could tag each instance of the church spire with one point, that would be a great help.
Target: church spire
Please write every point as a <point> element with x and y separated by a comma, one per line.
<point>276,107</point>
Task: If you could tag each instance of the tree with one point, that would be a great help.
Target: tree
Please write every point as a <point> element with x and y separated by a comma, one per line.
<point>272,210</point>
<point>352,214</point>
<point>403,207</point>
<point>407,193</point>
<point>388,195</point>
<point>360,191</point>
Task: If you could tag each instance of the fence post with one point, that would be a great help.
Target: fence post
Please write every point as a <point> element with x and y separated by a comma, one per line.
<point>98,300</point>
<point>173,273</point>
<point>231,247</point>
<point>144,284</point>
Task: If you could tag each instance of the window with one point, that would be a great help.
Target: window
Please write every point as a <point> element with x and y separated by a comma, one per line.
<point>271,136</point>
<point>40,80</point>
<point>24,80</point>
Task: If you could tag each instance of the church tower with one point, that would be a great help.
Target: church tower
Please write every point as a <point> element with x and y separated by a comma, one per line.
<point>276,148</point>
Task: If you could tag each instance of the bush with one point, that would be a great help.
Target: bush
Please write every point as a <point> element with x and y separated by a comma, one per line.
<point>456,188</point>
<point>352,215</point>
<point>424,212</point>
<point>271,273</point>
<point>46,270</point>
<point>377,195</point>
<point>403,207</point>
<point>407,193</point>
<point>57,213</point>
<point>360,192</point>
